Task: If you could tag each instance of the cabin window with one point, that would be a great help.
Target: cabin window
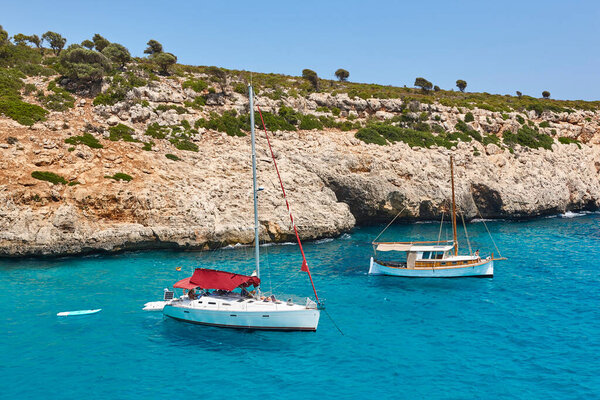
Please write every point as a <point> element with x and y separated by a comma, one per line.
<point>439,255</point>
<point>426,255</point>
<point>211,302</point>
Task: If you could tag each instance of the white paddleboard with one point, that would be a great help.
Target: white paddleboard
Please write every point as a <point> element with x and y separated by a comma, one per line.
<point>79,312</point>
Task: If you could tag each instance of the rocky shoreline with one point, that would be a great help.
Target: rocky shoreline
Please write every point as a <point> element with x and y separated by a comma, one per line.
<point>334,180</point>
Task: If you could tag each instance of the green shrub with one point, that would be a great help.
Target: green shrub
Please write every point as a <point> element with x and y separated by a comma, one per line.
<point>229,122</point>
<point>120,176</point>
<point>11,104</point>
<point>121,132</point>
<point>184,144</point>
<point>22,112</point>
<point>179,109</point>
<point>520,119</point>
<point>528,137</point>
<point>568,140</point>
<point>197,85</point>
<point>309,122</point>
<point>544,124</point>
<point>198,103</point>
<point>86,139</point>
<point>58,100</point>
<point>148,146</point>
<point>240,88</point>
<point>49,177</point>
<point>370,135</point>
<point>469,117</point>
<point>172,157</point>
<point>29,88</point>
<point>120,84</point>
<point>157,131</point>
<point>491,139</point>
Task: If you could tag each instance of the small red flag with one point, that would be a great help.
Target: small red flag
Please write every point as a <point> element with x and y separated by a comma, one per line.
<point>304,266</point>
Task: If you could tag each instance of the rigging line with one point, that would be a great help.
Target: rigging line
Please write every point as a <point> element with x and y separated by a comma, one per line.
<point>293,276</point>
<point>266,253</point>
<point>488,231</point>
<point>334,324</point>
<point>304,262</point>
<point>462,216</point>
<point>388,225</point>
<point>441,225</point>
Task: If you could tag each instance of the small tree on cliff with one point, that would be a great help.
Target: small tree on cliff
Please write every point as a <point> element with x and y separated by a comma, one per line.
<point>83,65</point>
<point>342,74</point>
<point>88,44</point>
<point>462,85</point>
<point>219,75</point>
<point>3,36</point>
<point>35,40</point>
<point>312,77</point>
<point>100,42</point>
<point>519,94</point>
<point>20,39</point>
<point>154,47</point>
<point>545,94</point>
<point>436,88</point>
<point>117,53</point>
<point>424,84</point>
<point>55,41</point>
<point>164,61</point>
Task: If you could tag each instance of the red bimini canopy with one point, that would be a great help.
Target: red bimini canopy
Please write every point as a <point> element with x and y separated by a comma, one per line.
<point>213,279</point>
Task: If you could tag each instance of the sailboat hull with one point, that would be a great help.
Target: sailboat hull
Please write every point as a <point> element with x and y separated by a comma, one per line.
<point>290,320</point>
<point>483,269</point>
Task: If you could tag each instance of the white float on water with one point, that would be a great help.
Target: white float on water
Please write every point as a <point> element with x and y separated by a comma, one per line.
<point>79,312</point>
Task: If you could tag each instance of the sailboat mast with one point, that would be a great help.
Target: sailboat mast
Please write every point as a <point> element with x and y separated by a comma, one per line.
<point>254,188</point>
<point>453,207</point>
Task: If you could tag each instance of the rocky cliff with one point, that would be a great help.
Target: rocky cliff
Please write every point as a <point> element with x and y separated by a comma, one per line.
<point>201,199</point>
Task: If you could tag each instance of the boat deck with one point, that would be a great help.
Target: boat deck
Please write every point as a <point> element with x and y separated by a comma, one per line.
<point>235,302</point>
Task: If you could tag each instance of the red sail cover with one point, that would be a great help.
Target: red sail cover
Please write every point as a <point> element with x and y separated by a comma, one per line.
<point>213,279</point>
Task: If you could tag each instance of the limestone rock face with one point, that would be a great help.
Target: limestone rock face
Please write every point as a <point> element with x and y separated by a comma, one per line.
<point>333,180</point>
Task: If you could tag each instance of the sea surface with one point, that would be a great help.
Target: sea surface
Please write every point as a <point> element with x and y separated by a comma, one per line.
<point>533,331</point>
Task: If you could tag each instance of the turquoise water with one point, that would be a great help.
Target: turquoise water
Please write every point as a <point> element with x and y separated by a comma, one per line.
<point>533,331</point>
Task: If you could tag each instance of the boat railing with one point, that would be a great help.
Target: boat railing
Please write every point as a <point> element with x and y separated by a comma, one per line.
<point>417,242</point>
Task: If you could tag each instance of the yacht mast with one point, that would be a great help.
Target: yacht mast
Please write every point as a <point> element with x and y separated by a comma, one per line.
<point>453,207</point>
<point>254,188</point>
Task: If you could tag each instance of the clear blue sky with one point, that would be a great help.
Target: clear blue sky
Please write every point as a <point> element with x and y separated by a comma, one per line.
<point>497,47</point>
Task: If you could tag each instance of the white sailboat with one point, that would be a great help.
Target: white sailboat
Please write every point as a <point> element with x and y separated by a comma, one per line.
<point>218,304</point>
<point>431,259</point>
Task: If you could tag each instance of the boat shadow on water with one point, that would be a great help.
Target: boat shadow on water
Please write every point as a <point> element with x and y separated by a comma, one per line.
<point>394,283</point>
<point>216,339</point>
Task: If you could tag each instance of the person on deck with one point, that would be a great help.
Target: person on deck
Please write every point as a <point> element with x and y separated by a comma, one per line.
<point>192,294</point>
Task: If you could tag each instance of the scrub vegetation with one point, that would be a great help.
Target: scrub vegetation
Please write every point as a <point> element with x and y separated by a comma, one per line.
<point>68,68</point>
<point>49,177</point>
<point>119,176</point>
